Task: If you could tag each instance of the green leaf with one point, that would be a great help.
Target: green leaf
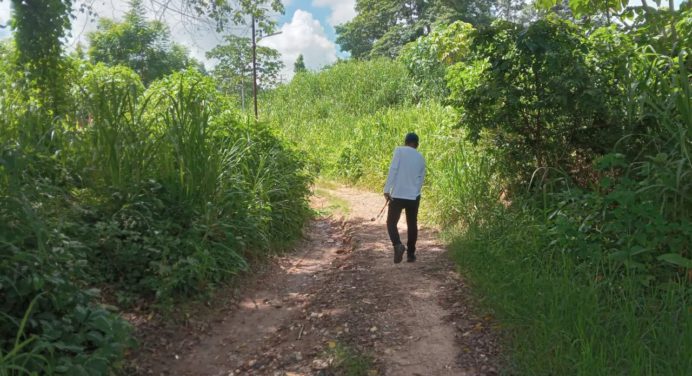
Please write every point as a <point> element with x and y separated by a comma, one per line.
<point>676,259</point>
<point>546,4</point>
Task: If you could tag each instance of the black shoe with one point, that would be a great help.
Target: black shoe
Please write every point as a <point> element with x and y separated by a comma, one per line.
<point>399,253</point>
<point>410,258</point>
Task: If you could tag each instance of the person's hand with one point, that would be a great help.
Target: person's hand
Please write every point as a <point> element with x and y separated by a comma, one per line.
<point>387,197</point>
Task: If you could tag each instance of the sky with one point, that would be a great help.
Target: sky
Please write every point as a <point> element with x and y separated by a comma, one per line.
<point>307,27</point>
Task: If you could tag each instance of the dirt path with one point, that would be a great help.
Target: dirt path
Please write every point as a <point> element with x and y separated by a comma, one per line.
<point>338,305</point>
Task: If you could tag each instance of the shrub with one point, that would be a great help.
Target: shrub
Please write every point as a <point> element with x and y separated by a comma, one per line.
<point>50,317</point>
<point>211,192</point>
<point>544,94</point>
<point>152,195</point>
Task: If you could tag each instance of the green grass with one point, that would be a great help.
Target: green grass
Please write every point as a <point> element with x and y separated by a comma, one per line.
<point>355,146</point>
<point>347,362</point>
<point>335,205</point>
<point>560,317</point>
<point>569,302</point>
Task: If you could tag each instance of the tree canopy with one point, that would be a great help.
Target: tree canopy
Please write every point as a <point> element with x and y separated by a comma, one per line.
<point>382,27</point>
<point>225,12</point>
<point>299,65</point>
<point>39,26</point>
<point>142,45</point>
<point>233,72</point>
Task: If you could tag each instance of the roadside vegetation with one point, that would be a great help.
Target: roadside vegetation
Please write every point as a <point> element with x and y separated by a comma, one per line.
<point>116,195</point>
<point>557,138</point>
<point>558,151</point>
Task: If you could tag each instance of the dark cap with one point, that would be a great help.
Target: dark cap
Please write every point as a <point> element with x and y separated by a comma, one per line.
<point>411,138</point>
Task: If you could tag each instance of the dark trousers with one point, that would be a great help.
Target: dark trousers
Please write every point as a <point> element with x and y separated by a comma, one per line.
<point>396,205</point>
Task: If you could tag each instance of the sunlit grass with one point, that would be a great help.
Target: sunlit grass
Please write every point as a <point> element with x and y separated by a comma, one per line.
<point>334,205</point>
<point>561,314</point>
<point>154,195</point>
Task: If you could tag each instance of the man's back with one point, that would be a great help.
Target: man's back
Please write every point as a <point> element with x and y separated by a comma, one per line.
<point>406,174</point>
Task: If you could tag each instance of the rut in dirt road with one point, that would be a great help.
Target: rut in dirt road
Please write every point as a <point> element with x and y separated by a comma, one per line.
<point>340,293</point>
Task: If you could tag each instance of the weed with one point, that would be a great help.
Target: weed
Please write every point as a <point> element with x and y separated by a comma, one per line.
<point>347,362</point>
<point>335,205</point>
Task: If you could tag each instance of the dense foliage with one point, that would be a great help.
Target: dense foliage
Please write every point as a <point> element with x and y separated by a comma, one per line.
<point>146,194</point>
<point>560,165</point>
<point>233,71</point>
<point>115,194</point>
<point>39,28</point>
<point>382,28</point>
<point>549,95</point>
<point>558,150</point>
<point>144,46</point>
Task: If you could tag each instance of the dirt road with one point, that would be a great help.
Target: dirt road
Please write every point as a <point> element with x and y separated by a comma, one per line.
<point>337,305</point>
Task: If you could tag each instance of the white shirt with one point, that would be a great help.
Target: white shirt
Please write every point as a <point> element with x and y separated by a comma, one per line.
<point>406,174</point>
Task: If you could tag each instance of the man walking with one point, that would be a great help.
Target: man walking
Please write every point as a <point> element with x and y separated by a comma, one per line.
<point>402,190</point>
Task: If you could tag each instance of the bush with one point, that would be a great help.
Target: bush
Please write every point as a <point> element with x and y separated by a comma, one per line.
<point>152,195</point>
<point>347,88</point>
<point>546,95</point>
<point>204,191</point>
<point>597,281</point>
<point>42,272</point>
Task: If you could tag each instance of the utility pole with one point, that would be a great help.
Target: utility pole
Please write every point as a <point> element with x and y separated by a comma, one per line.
<point>254,66</point>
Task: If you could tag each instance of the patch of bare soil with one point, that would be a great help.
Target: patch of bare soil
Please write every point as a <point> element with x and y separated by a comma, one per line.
<point>339,288</point>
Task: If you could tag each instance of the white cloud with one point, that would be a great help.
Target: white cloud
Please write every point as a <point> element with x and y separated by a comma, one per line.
<point>5,19</point>
<point>303,35</point>
<point>342,10</point>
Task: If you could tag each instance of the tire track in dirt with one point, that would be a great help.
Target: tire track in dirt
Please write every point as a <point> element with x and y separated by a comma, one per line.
<point>339,288</point>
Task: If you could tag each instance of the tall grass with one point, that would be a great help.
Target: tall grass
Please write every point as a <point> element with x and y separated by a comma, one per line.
<point>152,194</point>
<point>115,145</point>
<point>371,109</point>
<point>15,360</point>
<point>177,158</point>
<point>564,317</point>
<point>581,281</point>
<point>597,282</point>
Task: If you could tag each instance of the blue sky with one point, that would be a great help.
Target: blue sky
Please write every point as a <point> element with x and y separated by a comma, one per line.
<point>320,13</point>
<point>4,18</point>
<point>307,28</point>
<point>323,11</point>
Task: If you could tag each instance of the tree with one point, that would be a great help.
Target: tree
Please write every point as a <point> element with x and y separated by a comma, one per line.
<point>225,12</point>
<point>39,26</point>
<point>233,72</point>
<point>142,45</point>
<point>299,65</point>
<point>509,9</point>
<point>655,25</point>
<point>382,27</point>
<point>428,57</point>
<point>587,7</point>
<point>545,95</point>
